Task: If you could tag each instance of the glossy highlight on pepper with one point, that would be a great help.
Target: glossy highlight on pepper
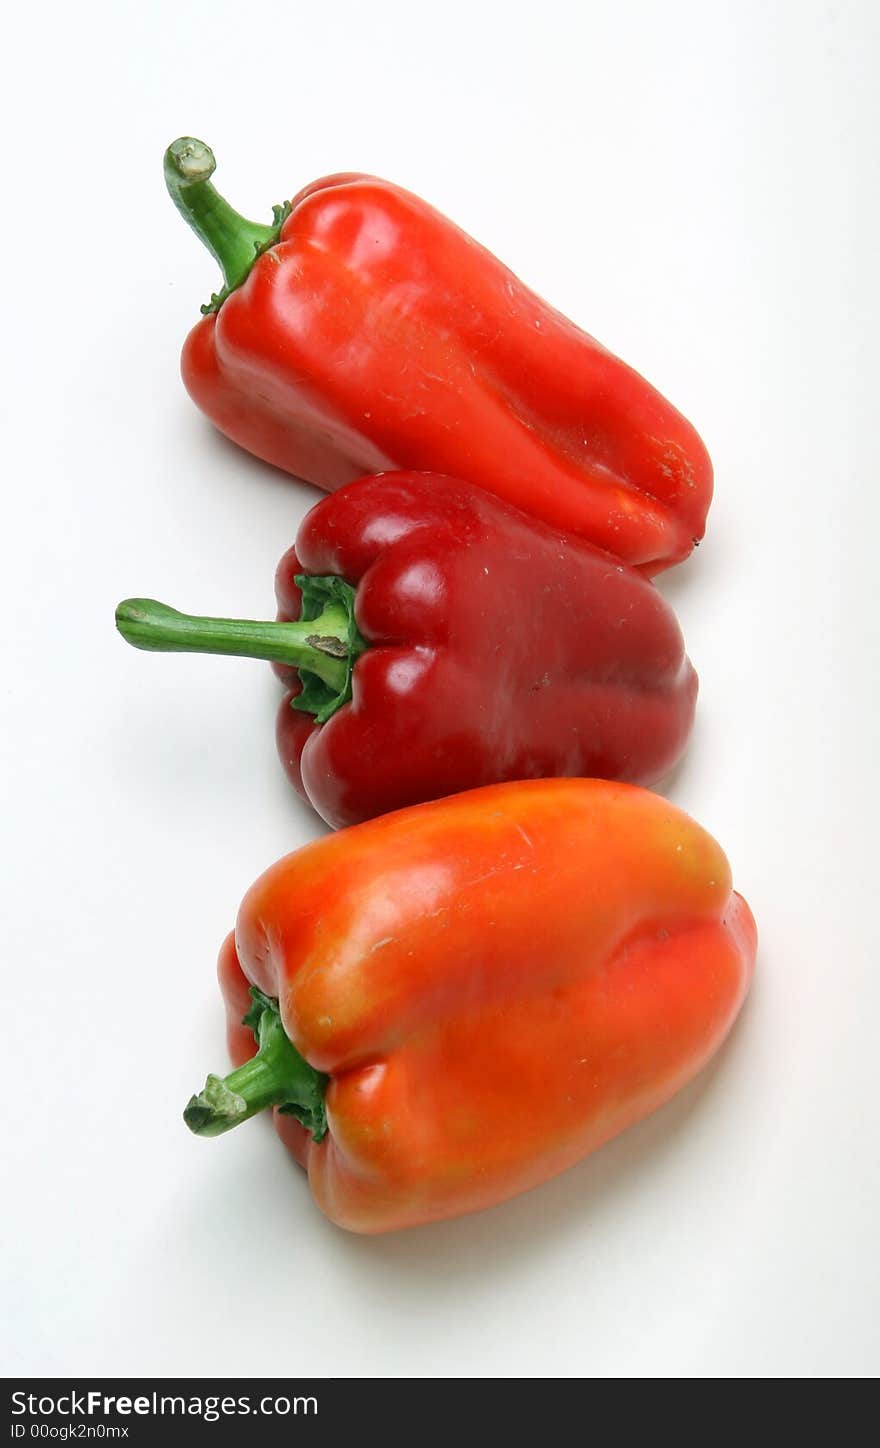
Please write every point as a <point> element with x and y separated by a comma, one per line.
<point>456,1002</point>
<point>435,639</point>
<point>361,331</point>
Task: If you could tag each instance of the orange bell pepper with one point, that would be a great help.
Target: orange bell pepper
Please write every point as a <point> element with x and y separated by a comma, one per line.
<point>455,1002</point>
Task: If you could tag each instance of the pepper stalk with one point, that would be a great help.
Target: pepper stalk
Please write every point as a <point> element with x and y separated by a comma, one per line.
<point>276,1076</point>
<point>231,239</point>
<point>323,645</point>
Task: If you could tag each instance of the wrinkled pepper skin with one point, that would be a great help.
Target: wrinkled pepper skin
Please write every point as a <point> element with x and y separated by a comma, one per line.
<point>498,649</point>
<point>496,984</point>
<point>374,334</point>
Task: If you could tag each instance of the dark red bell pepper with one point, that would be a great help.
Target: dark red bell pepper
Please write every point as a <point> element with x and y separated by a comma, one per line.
<point>448,641</point>
<point>362,330</point>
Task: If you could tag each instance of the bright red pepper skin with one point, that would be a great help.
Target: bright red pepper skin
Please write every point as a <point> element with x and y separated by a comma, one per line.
<point>499,649</point>
<point>496,983</point>
<point>376,334</point>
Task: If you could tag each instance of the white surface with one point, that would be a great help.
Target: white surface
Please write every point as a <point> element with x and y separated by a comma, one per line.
<point>695,184</point>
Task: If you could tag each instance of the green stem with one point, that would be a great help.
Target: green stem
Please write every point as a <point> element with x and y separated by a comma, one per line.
<point>276,1076</point>
<point>319,646</point>
<point>234,241</point>
<point>323,645</point>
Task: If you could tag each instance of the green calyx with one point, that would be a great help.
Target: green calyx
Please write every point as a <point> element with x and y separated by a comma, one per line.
<point>323,645</point>
<point>234,241</point>
<point>323,599</point>
<point>276,1076</point>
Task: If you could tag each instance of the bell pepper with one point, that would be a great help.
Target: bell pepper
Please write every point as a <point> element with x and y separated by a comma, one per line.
<point>449,1005</point>
<point>362,331</point>
<point>448,641</point>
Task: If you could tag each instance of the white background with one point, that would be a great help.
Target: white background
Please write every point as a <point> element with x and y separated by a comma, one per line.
<point>696,184</point>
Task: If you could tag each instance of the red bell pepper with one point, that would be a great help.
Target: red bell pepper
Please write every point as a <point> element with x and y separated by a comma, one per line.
<point>451,1004</point>
<point>449,641</point>
<point>363,331</point>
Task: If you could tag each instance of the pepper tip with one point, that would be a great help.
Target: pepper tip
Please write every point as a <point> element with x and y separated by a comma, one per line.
<point>189,161</point>
<point>216,1109</point>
